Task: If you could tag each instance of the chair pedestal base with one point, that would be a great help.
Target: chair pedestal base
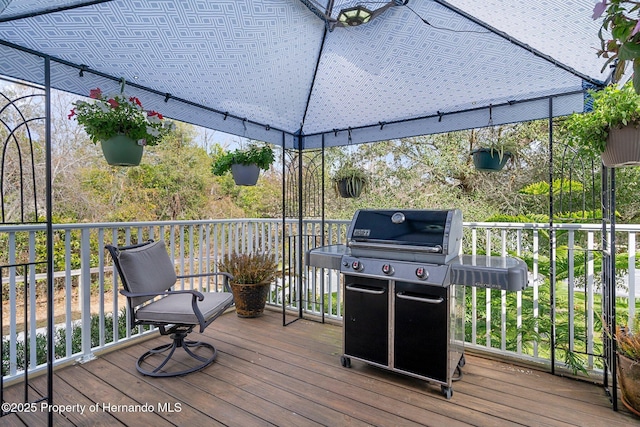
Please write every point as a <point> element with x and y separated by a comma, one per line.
<point>178,341</point>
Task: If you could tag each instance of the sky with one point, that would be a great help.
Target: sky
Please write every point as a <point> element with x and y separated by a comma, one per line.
<point>207,137</point>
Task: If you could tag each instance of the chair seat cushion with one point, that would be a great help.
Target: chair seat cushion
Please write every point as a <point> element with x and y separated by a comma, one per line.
<point>177,308</point>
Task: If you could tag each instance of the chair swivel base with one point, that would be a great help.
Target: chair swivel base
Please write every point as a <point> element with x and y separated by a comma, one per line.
<point>170,348</point>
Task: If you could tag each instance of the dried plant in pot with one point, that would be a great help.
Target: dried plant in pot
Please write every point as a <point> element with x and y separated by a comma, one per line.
<point>628,345</point>
<point>252,274</point>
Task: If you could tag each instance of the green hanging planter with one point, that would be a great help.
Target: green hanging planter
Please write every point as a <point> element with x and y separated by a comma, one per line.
<point>245,174</point>
<point>120,150</point>
<point>487,160</point>
<point>350,187</point>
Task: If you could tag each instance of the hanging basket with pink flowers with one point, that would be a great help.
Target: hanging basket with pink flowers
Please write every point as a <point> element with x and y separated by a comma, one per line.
<point>121,125</point>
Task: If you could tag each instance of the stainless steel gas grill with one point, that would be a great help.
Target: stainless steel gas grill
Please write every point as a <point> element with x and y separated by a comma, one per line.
<point>403,306</point>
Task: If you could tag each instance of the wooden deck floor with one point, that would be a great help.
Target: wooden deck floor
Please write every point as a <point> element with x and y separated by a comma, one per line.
<point>269,375</point>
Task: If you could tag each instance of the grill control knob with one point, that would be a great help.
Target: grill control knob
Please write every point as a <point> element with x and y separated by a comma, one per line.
<point>387,269</point>
<point>357,266</point>
<point>422,273</point>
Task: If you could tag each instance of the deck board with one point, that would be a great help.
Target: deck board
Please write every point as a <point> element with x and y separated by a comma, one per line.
<point>267,374</point>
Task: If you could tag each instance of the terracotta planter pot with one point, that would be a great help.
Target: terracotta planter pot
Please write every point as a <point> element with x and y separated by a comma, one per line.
<point>120,150</point>
<point>623,148</point>
<point>629,381</point>
<point>250,299</point>
<point>489,160</point>
<point>245,174</point>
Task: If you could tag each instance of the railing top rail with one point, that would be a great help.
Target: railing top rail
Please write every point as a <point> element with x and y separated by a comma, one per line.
<point>110,225</point>
<point>66,226</point>
<point>545,225</point>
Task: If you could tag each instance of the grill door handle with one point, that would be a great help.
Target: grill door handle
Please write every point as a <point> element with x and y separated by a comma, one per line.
<point>392,245</point>
<point>365,290</point>
<point>402,295</point>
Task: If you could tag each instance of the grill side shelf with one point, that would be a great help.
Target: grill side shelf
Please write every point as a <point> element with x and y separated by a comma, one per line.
<point>326,256</point>
<point>506,273</point>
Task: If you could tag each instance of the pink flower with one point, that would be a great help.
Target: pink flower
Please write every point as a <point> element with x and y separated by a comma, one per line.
<point>135,101</point>
<point>154,113</point>
<point>599,9</point>
<point>121,112</point>
<point>636,28</point>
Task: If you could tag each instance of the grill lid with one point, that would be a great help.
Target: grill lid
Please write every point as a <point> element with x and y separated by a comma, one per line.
<point>406,234</point>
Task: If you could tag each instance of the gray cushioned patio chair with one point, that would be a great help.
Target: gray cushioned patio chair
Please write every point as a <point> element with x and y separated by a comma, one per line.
<point>148,274</point>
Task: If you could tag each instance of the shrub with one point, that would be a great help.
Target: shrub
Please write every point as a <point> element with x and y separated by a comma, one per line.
<point>60,341</point>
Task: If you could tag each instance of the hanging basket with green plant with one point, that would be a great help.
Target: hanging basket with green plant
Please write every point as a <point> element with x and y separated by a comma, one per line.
<point>244,163</point>
<point>349,180</point>
<point>492,148</point>
<point>121,125</point>
<point>490,159</point>
<point>611,129</point>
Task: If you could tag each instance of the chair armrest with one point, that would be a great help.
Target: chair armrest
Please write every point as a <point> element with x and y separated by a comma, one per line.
<point>220,273</point>
<point>227,277</point>
<point>128,294</point>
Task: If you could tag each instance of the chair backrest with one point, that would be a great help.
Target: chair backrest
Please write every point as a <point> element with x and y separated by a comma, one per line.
<point>145,268</point>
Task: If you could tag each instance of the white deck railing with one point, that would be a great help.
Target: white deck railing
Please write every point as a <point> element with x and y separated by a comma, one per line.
<point>513,324</point>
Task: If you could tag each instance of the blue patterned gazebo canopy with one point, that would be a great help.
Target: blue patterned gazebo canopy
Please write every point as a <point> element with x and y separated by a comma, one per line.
<point>282,72</point>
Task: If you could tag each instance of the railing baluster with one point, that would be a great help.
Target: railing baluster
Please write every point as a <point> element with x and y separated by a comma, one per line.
<point>101,288</point>
<point>590,296</point>
<point>85,294</point>
<point>68,287</point>
<point>488,293</point>
<point>503,297</point>
<point>535,289</point>
<point>631,236</point>
<point>474,290</point>
<point>571,288</point>
<point>12,306</point>
<point>33,290</point>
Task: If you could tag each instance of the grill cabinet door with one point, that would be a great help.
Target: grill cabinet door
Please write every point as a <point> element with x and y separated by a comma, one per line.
<point>366,315</point>
<point>421,330</point>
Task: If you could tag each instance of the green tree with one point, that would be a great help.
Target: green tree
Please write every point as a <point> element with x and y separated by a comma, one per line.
<point>173,182</point>
<point>264,200</point>
<point>436,171</point>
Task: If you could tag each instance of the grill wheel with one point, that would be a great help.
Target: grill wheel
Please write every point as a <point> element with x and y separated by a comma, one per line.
<point>345,361</point>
